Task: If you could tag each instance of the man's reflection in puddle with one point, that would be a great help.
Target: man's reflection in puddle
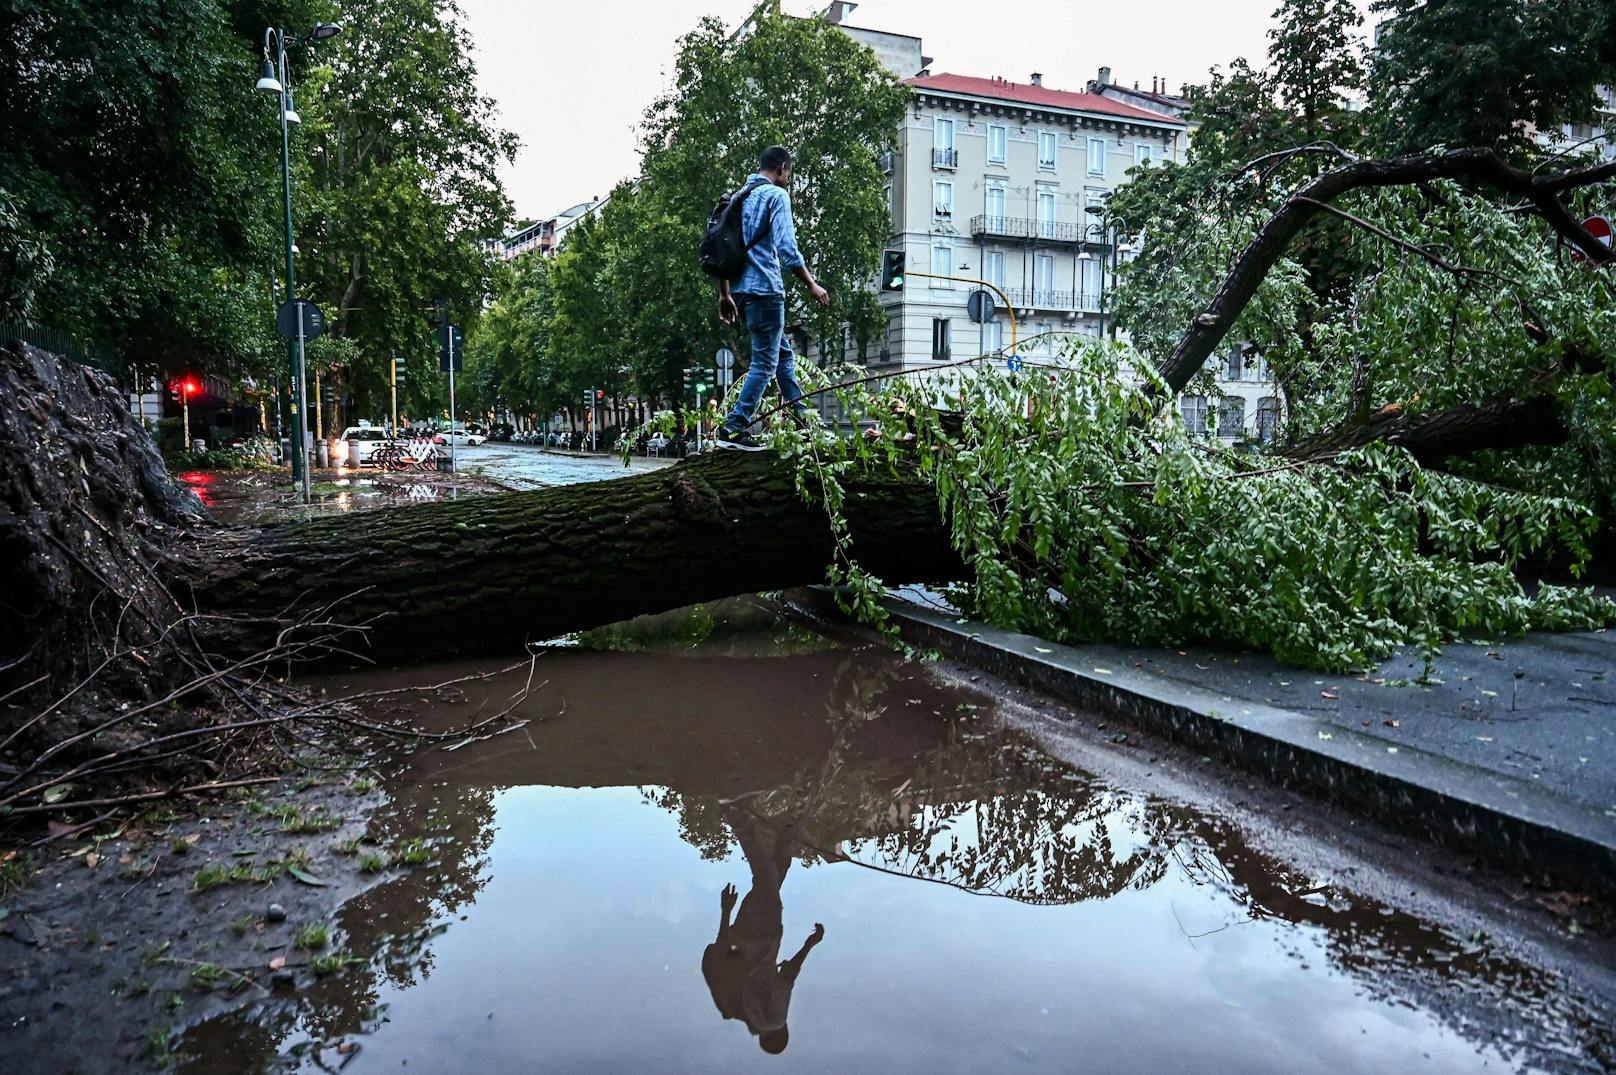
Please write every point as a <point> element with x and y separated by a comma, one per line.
<point>741,966</point>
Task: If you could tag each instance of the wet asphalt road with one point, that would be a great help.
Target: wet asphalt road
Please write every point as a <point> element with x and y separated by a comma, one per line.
<point>522,466</point>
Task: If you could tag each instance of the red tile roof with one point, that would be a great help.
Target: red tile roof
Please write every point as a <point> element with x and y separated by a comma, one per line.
<point>1036,95</point>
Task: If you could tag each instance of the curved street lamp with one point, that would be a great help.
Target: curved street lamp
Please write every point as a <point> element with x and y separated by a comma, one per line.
<point>274,77</point>
<point>1115,225</point>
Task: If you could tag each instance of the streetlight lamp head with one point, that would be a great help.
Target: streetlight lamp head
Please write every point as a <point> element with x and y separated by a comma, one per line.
<point>1097,210</point>
<point>267,80</point>
<point>292,118</point>
<point>324,31</point>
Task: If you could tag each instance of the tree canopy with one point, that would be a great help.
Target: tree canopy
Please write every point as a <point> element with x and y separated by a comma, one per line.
<point>632,309</point>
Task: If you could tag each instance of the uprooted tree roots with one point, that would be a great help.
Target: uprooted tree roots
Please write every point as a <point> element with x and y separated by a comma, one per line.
<point>114,686</point>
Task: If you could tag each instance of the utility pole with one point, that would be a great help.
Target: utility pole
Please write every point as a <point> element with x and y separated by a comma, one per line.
<point>392,389</point>
<point>185,409</point>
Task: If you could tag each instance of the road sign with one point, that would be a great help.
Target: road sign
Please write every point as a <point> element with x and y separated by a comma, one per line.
<point>1013,363</point>
<point>1600,228</point>
<point>288,313</point>
<point>451,348</point>
<point>980,306</point>
<point>726,367</point>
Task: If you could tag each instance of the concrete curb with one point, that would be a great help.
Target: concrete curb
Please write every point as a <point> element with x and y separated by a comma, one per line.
<point>1513,823</point>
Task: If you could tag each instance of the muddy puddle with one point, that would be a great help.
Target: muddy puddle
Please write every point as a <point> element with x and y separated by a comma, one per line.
<point>258,498</point>
<point>725,842</point>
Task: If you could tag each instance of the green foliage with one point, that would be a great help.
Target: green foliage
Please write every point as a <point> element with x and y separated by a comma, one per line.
<point>624,306</point>
<point>314,935</point>
<point>1100,518</point>
<point>1487,72</point>
<point>141,170</point>
<point>398,191</point>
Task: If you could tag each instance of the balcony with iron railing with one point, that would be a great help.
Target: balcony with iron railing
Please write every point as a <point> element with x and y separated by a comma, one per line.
<point>1012,227</point>
<point>1038,298</point>
<point>945,158</point>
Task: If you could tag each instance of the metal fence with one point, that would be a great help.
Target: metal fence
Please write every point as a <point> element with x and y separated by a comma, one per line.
<point>57,342</point>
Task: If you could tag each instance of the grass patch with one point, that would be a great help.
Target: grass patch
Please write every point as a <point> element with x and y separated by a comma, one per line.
<point>346,847</point>
<point>218,874</point>
<point>412,853</point>
<point>364,785</point>
<point>372,863</point>
<point>317,935</point>
<point>332,962</point>
<point>241,925</point>
<point>15,870</point>
<point>205,976</point>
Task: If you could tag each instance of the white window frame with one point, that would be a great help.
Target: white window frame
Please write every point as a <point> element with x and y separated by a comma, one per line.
<point>1000,134</point>
<point>940,124</point>
<point>1223,419</point>
<point>1046,195</point>
<point>993,335</point>
<point>993,267</point>
<point>1089,282</point>
<point>942,331</point>
<point>942,198</point>
<point>1196,426</point>
<point>1143,154</point>
<point>942,264</point>
<point>1096,155</point>
<point>999,191</point>
<point>1043,274</point>
<point>1047,164</point>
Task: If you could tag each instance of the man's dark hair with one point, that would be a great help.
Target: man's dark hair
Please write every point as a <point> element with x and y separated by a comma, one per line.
<point>774,157</point>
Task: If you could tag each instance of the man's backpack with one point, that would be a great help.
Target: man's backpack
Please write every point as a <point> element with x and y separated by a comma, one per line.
<point>723,245</point>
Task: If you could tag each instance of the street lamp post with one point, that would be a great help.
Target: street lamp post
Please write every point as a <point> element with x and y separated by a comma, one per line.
<point>1115,226</point>
<point>274,77</point>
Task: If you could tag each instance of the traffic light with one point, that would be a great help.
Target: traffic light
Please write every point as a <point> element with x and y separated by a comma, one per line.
<point>892,270</point>
<point>600,393</point>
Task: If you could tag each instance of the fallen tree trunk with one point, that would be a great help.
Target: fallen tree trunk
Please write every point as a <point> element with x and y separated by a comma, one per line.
<point>1437,435</point>
<point>495,572</point>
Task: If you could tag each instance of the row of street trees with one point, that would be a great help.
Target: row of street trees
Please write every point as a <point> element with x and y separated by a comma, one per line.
<point>623,306</point>
<point>140,205</point>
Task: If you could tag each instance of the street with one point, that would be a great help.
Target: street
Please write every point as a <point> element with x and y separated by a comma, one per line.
<point>521,466</point>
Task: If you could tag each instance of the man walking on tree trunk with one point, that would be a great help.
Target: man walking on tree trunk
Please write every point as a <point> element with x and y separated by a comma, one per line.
<point>759,296</point>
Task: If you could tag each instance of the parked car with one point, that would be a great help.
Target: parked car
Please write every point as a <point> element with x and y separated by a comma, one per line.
<point>657,443</point>
<point>458,437</point>
<point>369,438</point>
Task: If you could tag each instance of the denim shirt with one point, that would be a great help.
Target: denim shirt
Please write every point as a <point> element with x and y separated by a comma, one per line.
<point>777,251</point>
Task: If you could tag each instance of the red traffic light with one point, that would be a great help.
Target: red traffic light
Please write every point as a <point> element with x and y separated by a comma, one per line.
<point>600,393</point>
<point>185,386</point>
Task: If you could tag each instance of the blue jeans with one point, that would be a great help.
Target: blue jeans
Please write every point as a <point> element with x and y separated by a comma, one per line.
<point>765,317</point>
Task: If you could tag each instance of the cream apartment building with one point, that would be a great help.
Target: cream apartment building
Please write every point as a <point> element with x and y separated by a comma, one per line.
<point>994,180</point>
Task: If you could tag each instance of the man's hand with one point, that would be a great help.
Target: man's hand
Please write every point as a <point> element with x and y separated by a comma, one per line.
<point>816,936</point>
<point>728,897</point>
<point>820,295</point>
<point>726,309</point>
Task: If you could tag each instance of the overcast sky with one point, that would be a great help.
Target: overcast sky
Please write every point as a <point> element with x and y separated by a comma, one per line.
<point>573,77</point>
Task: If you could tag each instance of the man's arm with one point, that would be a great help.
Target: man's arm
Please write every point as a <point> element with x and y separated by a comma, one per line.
<point>726,303</point>
<point>793,966</point>
<point>785,245</point>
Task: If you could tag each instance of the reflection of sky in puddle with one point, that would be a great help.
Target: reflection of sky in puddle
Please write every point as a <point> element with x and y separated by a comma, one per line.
<point>985,907</point>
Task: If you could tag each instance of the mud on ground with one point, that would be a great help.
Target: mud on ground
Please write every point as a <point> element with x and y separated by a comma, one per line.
<point>119,936</point>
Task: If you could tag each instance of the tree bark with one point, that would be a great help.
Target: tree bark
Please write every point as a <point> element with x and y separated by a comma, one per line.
<point>496,572</point>
<point>1209,327</point>
<point>1436,435</point>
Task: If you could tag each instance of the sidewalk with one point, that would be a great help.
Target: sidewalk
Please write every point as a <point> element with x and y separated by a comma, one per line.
<point>1508,752</point>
